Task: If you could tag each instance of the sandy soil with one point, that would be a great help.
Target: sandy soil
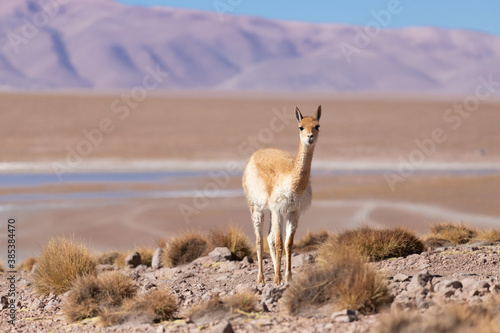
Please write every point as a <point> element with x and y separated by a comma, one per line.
<point>358,127</point>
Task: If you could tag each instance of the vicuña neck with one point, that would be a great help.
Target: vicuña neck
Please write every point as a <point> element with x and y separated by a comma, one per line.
<point>302,168</point>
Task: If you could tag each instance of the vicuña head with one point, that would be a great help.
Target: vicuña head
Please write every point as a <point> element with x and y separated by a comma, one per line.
<point>276,181</point>
<point>308,126</point>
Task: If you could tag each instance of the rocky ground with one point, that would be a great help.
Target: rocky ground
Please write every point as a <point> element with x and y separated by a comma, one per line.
<point>463,274</point>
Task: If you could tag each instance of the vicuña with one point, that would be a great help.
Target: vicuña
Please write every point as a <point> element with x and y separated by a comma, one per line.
<point>274,180</point>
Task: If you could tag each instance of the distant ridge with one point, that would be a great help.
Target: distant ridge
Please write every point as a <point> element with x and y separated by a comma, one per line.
<point>105,45</point>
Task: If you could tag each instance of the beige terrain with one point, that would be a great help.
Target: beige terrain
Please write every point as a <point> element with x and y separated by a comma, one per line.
<point>363,141</point>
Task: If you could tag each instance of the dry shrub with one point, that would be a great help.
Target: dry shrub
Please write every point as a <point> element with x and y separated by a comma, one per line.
<point>453,318</point>
<point>90,294</point>
<point>27,264</point>
<point>185,248</point>
<point>234,239</point>
<point>311,241</point>
<point>153,307</point>
<point>218,309</point>
<point>245,301</point>
<point>108,258</point>
<point>161,243</point>
<point>376,244</point>
<point>345,282</point>
<point>455,233</point>
<point>61,261</point>
<point>435,242</point>
<point>146,255</point>
<point>492,236</point>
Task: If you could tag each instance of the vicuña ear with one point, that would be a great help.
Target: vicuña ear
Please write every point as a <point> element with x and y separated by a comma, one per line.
<point>318,113</point>
<point>298,115</point>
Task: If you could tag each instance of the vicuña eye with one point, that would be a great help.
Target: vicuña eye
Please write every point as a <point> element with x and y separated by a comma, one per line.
<point>301,128</point>
<point>316,127</point>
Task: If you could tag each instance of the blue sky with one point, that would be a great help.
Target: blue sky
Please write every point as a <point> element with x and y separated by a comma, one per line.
<point>479,15</point>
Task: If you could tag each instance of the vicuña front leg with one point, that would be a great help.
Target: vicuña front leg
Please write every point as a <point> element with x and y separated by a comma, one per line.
<point>277,222</point>
<point>257,218</point>
<point>291,227</point>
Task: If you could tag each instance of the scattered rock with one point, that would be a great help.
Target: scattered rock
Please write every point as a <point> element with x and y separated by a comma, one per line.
<point>223,327</point>
<point>220,254</point>
<point>229,266</point>
<point>419,281</point>
<point>247,260</point>
<point>298,260</point>
<point>245,287</point>
<point>401,277</point>
<point>133,260</point>
<point>4,301</point>
<point>157,261</point>
<point>345,316</point>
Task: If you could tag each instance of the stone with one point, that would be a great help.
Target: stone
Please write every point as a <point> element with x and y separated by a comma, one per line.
<point>222,327</point>
<point>157,261</point>
<point>454,285</point>
<point>133,260</point>
<point>5,302</point>
<point>247,260</point>
<point>423,303</point>
<point>309,259</point>
<point>419,281</point>
<point>245,287</point>
<point>160,329</point>
<point>345,316</point>
<point>401,277</point>
<point>298,260</point>
<point>220,254</point>
<point>479,288</point>
<point>229,266</point>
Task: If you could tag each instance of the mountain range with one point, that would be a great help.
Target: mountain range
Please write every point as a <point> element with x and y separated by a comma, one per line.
<point>105,45</point>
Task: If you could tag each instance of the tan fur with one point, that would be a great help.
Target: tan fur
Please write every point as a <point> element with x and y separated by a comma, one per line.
<point>278,181</point>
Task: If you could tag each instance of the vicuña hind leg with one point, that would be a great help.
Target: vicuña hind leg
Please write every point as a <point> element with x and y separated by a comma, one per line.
<point>277,222</point>
<point>291,226</point>
<point>257,218</point>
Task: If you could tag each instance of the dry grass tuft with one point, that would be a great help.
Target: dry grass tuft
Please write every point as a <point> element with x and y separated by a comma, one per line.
<point>1,266</point>
<point>27,264</point>
<point>90,294</point>
<point>234,239</point>
<point>153,307</point>
<point>435,242</point>
<point>108,258</point>
<point>345,282</point>
<point>161,243</point>
<point>492,235</point>
<point>311,241</point>
<point>217,308</point>
<point>185,248</point>
<point>62,260</point>
<point>455,233</point>
<point>376,244</point>
<point>246,302</point>
<point>453,318</point>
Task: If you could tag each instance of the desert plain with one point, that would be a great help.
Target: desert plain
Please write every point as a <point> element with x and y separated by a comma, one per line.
<point>119,170</point>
